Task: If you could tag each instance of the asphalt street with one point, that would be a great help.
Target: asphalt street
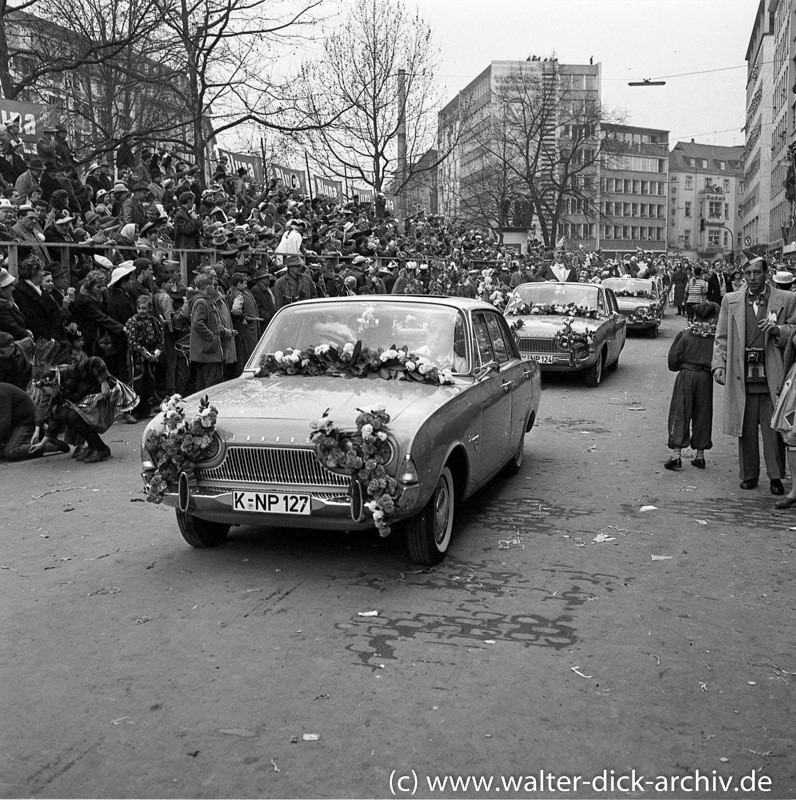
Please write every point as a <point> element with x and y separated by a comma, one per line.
<point>598,618</point>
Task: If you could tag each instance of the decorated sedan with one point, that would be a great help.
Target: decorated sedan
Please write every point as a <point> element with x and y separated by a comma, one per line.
<point>641,301</point>
<point>568,327</point>
<point>353,412</point>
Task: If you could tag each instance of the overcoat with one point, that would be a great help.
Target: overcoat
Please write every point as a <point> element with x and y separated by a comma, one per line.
<point>729,353</point>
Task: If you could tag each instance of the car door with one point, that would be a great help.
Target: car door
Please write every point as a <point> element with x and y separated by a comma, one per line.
<point>500,429</point>
<point>618,326</point>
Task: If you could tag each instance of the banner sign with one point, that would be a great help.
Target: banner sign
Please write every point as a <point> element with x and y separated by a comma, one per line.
<point>34,117</point>
<point>292,178</point>
<point>328,188</point>
<point>252,164</point>
<point>365,195</point>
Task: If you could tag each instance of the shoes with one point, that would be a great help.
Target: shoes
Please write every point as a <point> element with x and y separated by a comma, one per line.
<point>47,446</point>
<point>698,462</point>
<point>129,418</point>
<point>777,487</point>
<point>786,502</point>
<point>96,456</point>
<point>81,453</point>
<point>673,463</point>
<point>752,484</point>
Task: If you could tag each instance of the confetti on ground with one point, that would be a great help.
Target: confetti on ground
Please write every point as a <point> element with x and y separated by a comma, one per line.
<point>648,508</point>
<point>243,732</point>
<point>368,614</point>
<point>661,558</point>
<point>603,537</point>
<point>311,737</point>
<point>577,671</point>
<point>701,521</point>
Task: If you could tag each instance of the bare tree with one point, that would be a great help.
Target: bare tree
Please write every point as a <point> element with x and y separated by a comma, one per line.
<point>382,59</point>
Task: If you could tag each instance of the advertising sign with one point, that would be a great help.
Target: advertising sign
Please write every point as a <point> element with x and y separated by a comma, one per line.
<point>33,117</point>
<point>324,187</point>
<point>292,178</point>
<point>252,164</point>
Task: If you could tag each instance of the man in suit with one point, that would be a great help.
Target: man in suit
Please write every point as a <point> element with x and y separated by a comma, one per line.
<point>558,269</point>
<point>719,284</point>
<point>755,324</point>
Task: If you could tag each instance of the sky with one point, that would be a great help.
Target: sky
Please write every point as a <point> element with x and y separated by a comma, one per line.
<point>633,39</point>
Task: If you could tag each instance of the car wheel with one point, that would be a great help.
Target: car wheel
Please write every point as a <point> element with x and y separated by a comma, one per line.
<point>612,367</point>
<point>199,532</point>
<point>513,467</point>
<point>429,533</point>
<point>594,374</point>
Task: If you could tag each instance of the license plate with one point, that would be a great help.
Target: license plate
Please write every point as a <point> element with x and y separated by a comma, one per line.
<point>544,359</point>
<point>272,503</point>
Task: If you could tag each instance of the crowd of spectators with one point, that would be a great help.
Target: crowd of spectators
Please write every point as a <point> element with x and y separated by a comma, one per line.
<point>170,284</point>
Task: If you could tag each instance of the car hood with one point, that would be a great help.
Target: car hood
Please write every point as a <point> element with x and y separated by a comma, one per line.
<point>286,405</point>
<point>546,326</point>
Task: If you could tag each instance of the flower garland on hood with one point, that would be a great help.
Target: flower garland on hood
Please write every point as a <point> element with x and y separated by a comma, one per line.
<point>567,339</point>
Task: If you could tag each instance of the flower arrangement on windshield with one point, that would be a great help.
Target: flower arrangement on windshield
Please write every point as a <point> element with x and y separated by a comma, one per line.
<point>633,293</point>
<point>362,454</point>
<point>577,341</point>
<point>552,309</point>
<point>352,360</point>
<point>179,444</point>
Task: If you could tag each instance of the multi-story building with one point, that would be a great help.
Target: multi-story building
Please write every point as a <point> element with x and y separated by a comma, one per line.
<point>706,191</point>
<point>476,182</point>
<point>634,168</point>
<point>757,153</point>
<point>781,130</point>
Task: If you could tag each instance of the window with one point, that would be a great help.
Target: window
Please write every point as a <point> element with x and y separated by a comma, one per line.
<point>688,182</point>
<point>714,209</point>
<point>726,184</point>
<point>687,208</point>
<point>726,211</point>
<point>687,238</point>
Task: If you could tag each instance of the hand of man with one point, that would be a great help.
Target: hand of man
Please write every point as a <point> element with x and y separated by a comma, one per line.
<point>719,375</point>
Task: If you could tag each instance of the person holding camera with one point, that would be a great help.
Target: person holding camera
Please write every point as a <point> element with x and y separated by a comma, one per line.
<point>755,324</point>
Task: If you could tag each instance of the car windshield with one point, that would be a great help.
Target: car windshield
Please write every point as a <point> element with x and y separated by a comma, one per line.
<point>433,331</point>
<point>555,294</point>
<point>631,287</point>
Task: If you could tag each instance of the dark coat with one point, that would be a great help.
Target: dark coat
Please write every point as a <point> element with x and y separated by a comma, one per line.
<point>547,274</point>
<point>714,294</point>
<point>186,230</point>
<point>13,321</point>
<point>40,311</point>
<point>92,320</point>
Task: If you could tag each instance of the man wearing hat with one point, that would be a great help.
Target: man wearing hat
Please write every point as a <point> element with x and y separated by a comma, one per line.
<point>133,211</point>
<point>262,281</point>
<point>12,320</point>
<point>98,177</point>
<point>294,285</point>
<point>292,240</point>
<point>46,145</point>
<point>187,228</point>
<point>755,324</point>
<point>30,180</point>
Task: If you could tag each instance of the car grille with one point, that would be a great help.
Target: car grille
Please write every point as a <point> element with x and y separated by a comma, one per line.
<point>291,466</point>
<point>539,346</point>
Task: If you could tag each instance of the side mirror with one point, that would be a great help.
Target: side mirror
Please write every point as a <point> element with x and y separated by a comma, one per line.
<point>487,370</point>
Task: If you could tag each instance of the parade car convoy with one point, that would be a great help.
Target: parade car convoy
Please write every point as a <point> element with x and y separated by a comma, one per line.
<point>446,440</point>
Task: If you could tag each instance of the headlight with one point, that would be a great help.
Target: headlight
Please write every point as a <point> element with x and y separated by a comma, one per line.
<point>213,449</point>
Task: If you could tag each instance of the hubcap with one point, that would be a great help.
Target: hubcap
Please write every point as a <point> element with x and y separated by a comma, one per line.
<point>441,511</point>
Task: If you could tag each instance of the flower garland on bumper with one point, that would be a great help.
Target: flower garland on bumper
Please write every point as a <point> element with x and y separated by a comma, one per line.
<point>362,455</point>
<point>179,444</point>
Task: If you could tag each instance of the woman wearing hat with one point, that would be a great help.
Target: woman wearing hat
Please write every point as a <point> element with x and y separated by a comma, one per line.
<point>38,307</point>
<point>89,312</point>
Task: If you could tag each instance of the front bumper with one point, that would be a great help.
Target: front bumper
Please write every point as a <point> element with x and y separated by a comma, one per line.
<point>330,509</point>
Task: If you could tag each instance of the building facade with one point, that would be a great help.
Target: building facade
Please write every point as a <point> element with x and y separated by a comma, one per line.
<point>634,167</point>
<point>481,182</point>
<point>706,193</point>
<point>757,153</point>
